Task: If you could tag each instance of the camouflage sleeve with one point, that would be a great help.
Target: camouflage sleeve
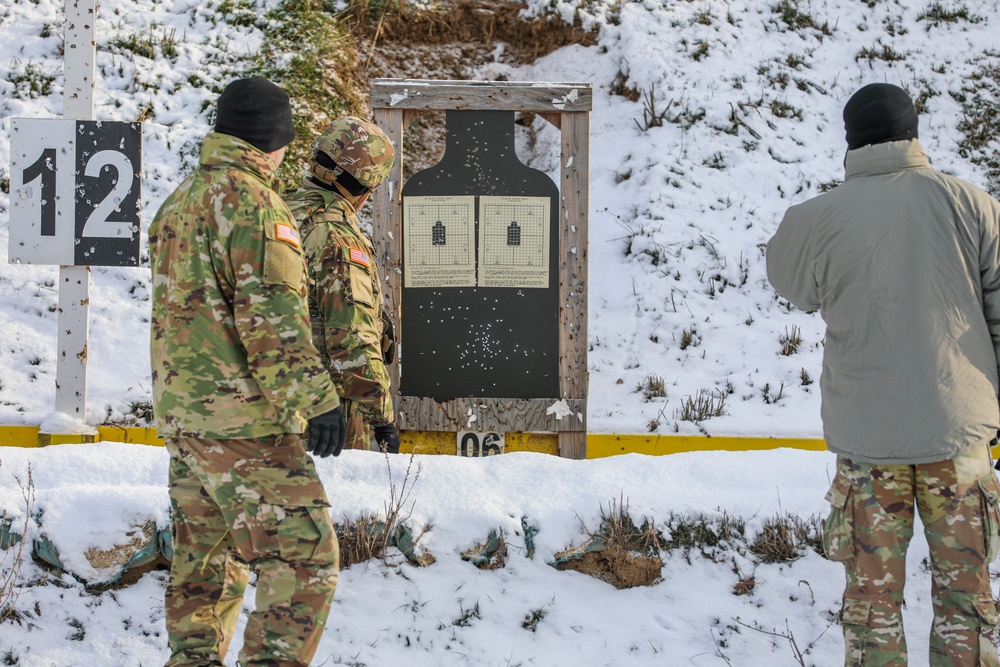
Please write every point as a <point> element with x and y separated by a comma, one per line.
<point>352,321</point>
<point>271,314</point>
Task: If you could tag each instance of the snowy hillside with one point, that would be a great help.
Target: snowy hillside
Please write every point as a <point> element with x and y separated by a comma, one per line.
<point>710,118</point>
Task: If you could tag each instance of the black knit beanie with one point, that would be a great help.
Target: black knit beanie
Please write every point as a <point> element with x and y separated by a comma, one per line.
<point>256,111</point>
<point>878,113</point>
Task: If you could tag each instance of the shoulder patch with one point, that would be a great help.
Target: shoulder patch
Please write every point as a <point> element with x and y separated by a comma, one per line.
<point>287,233</point>
<point>358,256</point>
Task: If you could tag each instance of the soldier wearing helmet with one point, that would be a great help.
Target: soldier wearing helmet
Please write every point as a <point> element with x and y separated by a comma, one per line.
<point>350,327</point>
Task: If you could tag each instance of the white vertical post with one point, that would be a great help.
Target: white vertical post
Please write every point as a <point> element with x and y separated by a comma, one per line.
<point>80,51</point>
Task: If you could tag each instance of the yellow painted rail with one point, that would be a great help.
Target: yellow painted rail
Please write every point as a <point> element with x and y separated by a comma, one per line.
<point>433,442</point>
<point>599,445</point>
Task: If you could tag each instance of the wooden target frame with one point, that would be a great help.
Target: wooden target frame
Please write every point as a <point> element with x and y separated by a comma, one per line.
<point>395,104</point>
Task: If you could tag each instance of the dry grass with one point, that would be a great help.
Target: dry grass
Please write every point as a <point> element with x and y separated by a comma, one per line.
<point>705,405</point>
<point>619,553</point>
<point>12,548</point>
<point>786,537</point>
<point>653,386</point>
<point>370,537</point>
<point>790,341</point>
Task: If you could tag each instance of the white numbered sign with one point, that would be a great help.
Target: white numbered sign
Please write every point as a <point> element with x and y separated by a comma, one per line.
<point>75,192</point>
<point>476,444</point>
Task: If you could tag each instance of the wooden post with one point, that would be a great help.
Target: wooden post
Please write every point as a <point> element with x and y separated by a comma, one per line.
<point>387,215</point>
<point>574,193</point>
<point>74,281</point>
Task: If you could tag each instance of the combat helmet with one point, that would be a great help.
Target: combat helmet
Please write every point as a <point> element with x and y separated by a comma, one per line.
<point>355,147</point>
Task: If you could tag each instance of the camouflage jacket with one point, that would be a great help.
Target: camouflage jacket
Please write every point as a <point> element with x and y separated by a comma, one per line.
<point>231,347</point>
<point>345,298</point>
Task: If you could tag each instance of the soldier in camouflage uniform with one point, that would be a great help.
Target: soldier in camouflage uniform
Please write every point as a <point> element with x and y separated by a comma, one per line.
<point>869,529</point>
<point>904,265</point>
<point>350,326</point>
<point>236,379</point>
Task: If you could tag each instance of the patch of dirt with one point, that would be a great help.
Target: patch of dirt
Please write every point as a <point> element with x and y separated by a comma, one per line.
<point>450,41</point>
<point>118,555</point>
<point>469,29</point>
<point>618,567</point>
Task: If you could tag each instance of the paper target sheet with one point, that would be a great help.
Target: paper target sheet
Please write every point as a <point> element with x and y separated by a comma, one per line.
<point>514,241</point>
<point>439,244</point>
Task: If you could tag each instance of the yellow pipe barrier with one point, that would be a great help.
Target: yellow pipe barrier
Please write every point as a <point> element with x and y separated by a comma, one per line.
<point>30,436</point>
<point>599,445</point>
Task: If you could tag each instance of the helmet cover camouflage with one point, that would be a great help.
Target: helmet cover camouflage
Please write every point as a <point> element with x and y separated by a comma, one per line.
<point>356,146</point>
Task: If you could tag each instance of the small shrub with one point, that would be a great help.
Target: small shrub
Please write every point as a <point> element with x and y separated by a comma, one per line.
<point>369,537</point>
<point>700,52</point>
<point>703,17</point>
<point>716,161</point>
<point>704,405</point>
<point>697,532</point>
<point>12,548</point>
<point>361,540</point>
<point>619,553</point>
<point>31,82</point>
<point>769,396</point>
<point>467,615</point>
<point>238,12</point>
<point>142,411</point>
<point>789,13</point>
<point>786,537</point>
<point>782,109</point>
<point>880,51</point>
<point>745,584</point>
<point>145,45</point>
<point>937,14</point>
<point>690,338</point>
<point>652,387</point>
<point>651,117</point>
<point>533,618</point>
<point>791,341</point>
<point>620,86</point>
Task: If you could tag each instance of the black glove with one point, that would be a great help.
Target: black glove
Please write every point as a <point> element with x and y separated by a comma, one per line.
<point>387,438</point>
<point>327,433</point>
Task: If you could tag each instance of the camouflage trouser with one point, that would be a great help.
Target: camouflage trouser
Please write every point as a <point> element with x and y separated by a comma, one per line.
<point>240,502</point>
<point>358,428</point>
<point>869,529</point>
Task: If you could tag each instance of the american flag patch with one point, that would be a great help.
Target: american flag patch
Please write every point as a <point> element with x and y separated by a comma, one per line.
<point>287,233</point>
<point>359,257</point>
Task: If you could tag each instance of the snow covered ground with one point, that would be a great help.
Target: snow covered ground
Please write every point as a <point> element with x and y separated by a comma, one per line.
<point>451,613</point>
<point>750,94</point>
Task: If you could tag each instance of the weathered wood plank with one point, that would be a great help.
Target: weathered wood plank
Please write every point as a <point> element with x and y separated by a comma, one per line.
<point>573,445</point>
<point>533,96</point>
<point>573,250</point>
<point>536,415</point>
<point>387,234</point>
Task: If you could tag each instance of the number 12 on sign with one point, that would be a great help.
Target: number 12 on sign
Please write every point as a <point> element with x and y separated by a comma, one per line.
<point>75,192</point>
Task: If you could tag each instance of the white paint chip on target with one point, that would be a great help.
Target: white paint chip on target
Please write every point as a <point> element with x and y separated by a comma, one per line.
<point>560,409</point>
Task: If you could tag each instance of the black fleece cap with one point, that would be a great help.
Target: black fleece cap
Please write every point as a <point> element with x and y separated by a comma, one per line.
<point>256,111</point>
<point>878,113</point>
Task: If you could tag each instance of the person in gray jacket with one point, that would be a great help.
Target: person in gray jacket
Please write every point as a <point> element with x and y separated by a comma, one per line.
<point>903,264</point>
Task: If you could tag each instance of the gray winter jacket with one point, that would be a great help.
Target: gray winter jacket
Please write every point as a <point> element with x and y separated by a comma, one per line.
<point>903,264</point>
